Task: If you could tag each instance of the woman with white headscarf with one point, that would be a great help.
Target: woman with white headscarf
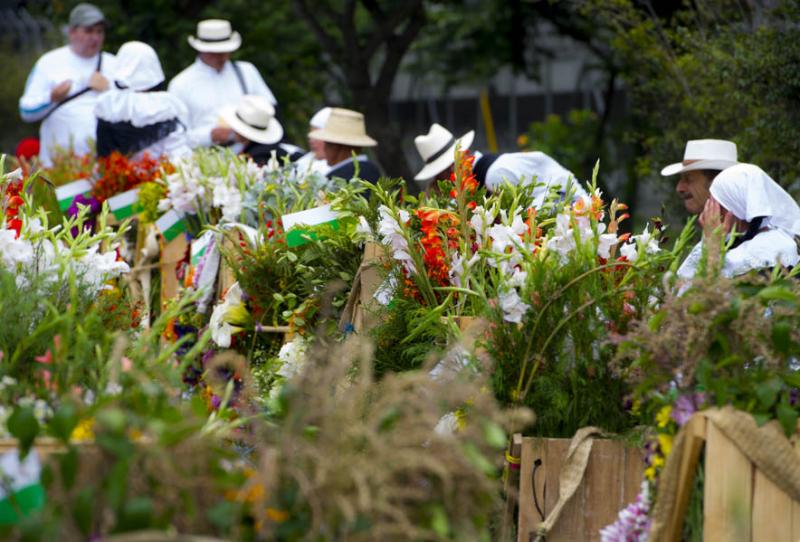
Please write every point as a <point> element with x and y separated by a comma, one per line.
<point>137,116</point>
<point>747,201</point>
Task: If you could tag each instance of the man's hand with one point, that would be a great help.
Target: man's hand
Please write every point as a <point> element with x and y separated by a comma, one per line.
<point>220,135</point>
<point>98,82</point>
<point>60,91</point>
<point>713,216</point>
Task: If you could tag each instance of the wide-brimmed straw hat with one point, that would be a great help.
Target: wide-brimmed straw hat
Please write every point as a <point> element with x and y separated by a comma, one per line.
<point>704,154</point>
<point>344,127</point>
<point>215,36</point>
<point>437,149</point>
<point>254,119</point>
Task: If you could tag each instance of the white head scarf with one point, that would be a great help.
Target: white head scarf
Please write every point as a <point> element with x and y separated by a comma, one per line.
<point>138,66</point>
<point>748,192</point>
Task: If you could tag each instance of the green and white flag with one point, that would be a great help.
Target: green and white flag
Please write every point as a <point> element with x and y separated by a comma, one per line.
<point>66,194</point>
<point>200,247</point>
<point>21,490</point>
<point>171,225</point>
<point>293,224</point>
<point>125,204</point>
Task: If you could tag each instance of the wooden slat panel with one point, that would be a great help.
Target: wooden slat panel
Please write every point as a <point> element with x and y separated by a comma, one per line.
<point>527,512</point>
<point>772,511</point>
<point>603,483</point>
<point>171,254</point>
<point>570,526</point>
<point>633,474</point>
<point>728,490</point>
<point>693,447</point>
<point>795,504</point>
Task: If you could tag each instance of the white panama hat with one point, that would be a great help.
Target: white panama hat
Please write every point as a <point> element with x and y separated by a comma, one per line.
<point>704,154</point>
<point>437,149</point>
<point>215,36</point>
<point>345,127</point>
<point>253,118</point>
<point>320,118</point>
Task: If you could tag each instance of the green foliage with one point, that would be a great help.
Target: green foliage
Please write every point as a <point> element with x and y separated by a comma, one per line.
<point>711,70</point>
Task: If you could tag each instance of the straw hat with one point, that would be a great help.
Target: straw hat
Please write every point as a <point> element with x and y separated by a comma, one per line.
<point>253,118</point>
<point>215,36</point>
<point>438,148</point>
<point>344,127</point>
<point>704,154</point>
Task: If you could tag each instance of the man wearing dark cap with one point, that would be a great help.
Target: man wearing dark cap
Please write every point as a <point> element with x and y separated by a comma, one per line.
<point>63,86</point>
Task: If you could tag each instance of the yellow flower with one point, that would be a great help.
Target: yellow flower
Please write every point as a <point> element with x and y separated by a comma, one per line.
<point>84,431</point>
<point>523,140</point>
<point>650,473</point>
<point>658,462</point>
<point>665,442</point>
<point>662,418</point>
<point>278,516</point>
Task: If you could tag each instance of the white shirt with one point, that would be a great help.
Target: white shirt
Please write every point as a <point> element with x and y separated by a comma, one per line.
<point>73,124</point>
<point>205,91</point>
<point>764,251</point>
<point>524,167</point>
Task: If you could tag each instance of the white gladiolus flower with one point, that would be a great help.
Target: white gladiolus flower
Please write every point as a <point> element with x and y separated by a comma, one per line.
<point>391,233</point>
<point>229,200</point>
<point>512,306</point>
<point>629,251</point>
<point>563,242</point>
<point>221,330</point>
<point>96,268</point>
<point>363,228</point>
<point>480,220</point>
<point>518,278</point>
<point>447,425</point>
<point>15,252</point>
<point>604,243</point>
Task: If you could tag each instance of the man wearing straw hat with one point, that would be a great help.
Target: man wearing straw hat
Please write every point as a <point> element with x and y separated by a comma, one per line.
<point>62,89</point>
<point>344,134</point>
<point>314,159</point>
<point>255,126</point>
<point>703,159</point>
<point>437,149</point>
<point>214,82</point>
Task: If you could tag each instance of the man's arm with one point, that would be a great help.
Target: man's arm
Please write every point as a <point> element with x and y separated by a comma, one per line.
<point>39,98</point>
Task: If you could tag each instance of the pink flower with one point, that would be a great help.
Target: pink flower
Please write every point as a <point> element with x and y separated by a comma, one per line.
<point>47,358</point>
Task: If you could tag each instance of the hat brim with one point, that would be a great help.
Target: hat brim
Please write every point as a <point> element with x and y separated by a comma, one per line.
<point>679,167</point>
<point>272,134</point>
<point>228,46</point>
<point>446,159</point>
<point>342,139</point>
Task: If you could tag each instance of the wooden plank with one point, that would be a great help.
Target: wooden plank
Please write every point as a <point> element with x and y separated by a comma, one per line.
<point>772,511</point>
<point>633,474</point>
<point>603,483</point>
<point>570,526</point>
<point>527,519</point>
<point>795,504</point>
<point>171,253</point>
<point>728,490</point>
<point>511,487</point>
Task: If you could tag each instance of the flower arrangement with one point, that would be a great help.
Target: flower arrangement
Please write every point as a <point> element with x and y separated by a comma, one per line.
<point>117,173</point>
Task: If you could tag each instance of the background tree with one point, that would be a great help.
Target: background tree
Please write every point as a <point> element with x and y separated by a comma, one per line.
<point>366,41</point>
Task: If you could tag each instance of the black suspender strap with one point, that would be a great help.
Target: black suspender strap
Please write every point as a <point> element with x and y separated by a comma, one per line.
<point>80,93</point>
<point>481,167</point>
<point>239,76</point>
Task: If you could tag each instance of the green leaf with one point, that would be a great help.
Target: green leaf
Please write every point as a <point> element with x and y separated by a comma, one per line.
<point>136,514</point>
<point>767,392</point>
<point>495,435</point>
<point>68,463</point>
<point>787,416</point>
<point>222,515</point>
<point>478,460</point>
<point>82,509</point>
<point>64,421</point>
<point>761,418</point>
<point>655,321</point>
<point>112,420</point>
<point>776,293</point>
<point>781,337</point>
<point>439,522</point>
<point>24,427</point>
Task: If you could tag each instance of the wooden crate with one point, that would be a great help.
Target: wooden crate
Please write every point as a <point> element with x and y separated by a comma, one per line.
<point>740,502</point>
<point>362,311</point>
<point>612,480</point>
<point>172,254</point>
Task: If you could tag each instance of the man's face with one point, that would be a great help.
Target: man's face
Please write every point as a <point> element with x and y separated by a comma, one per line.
<point>215,60</point>
<point>317,147</point>
<point>693,188</point>
<point>86,41</point>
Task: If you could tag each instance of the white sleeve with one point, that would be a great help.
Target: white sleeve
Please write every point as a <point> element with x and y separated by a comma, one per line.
<point>255,83</point>
<point>196,135</point>
<point>35,101</point>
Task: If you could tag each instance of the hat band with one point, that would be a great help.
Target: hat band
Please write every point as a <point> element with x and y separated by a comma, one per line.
<point>250,124</point>
<point>215,40</point>
<point>440,152</point>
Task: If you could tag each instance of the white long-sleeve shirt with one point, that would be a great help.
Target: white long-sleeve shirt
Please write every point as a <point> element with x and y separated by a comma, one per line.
<point>522,167</point>
<point>72,124</point>
<point>205,91</point>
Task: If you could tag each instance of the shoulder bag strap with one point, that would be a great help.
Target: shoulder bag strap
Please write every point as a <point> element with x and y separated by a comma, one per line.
<point>239,76</point>
<point>79,93</point>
